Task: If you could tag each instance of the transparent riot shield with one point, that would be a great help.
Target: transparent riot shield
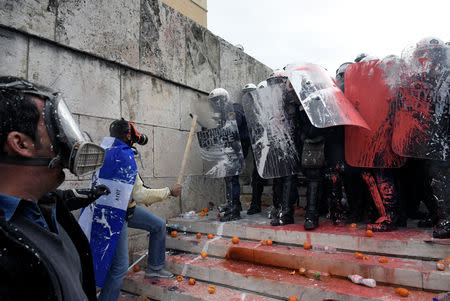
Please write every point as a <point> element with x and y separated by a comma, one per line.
<point>321,98</point>
<point>272,132</point>
<point>371,88</point>
<point>220,145</point>
<point>421,125</point>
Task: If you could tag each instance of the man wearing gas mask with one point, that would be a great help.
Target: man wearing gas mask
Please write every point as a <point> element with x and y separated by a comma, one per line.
<point>120,169</point>
<point>42,246</point>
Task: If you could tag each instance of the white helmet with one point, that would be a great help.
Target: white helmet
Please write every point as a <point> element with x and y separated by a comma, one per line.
<point>262,84</point>
<point>218,93</point>
<point>248,88</point>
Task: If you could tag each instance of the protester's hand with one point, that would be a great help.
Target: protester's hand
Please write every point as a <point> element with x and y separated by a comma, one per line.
<point>100,190</point>
<point>176,190</point>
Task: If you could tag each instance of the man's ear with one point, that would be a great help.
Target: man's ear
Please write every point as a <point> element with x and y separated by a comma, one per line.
<point>19,144</point>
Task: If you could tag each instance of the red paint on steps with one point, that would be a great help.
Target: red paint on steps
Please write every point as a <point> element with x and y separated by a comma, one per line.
<point>340,286</point>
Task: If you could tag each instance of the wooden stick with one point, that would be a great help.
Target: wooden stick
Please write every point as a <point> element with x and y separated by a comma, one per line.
<point>186,151</point>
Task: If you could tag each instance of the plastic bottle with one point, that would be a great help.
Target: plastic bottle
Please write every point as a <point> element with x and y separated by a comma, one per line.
<point>324,249</point>
<point>317,275</point>
<point>361,280</point>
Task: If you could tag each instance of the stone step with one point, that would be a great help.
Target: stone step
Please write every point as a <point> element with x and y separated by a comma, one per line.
<point>170,289</point>
<point>397,271</point>
<point>279,283</point>
<point>410,242</point>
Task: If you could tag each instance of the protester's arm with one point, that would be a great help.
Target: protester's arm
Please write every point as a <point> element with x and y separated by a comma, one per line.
<point>144,195</point>
<point>79,198</point>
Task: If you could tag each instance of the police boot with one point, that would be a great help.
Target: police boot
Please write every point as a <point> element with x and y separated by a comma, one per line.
<point>232,211</point>
<point>312,203</point>
<point>276,195</point>
<point>285,214</point>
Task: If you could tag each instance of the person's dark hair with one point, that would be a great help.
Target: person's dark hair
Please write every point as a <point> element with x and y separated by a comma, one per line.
<point>119,128</point>
<point>18,112</point>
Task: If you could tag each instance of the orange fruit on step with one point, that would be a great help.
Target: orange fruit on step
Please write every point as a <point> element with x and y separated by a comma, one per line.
<point>202,213</point>
<point>235,240</point>
<point>353,225</point>
<point>402,292</point>
<point>262,242</point>
<point>210,236</point>
<point>141,298</point>
<point>211,289</point>
<point>447,260</point>
<point>174,233</point>
<point>269,242</point>
<point>205,210</point>
<point>199,235</point>
<point>383,260</point>
<point>180,278</point>
<point>203,255</point>
<point>292,298</point>
<point>302,271</point>
<point>306,245</point>
<point>369,233</point>
<point>136,268</point>
<point>192,281</point>
<point>440,265</point>
<point>359,255</point>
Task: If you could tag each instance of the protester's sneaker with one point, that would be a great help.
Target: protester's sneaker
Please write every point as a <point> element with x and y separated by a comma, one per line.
<point>162,273</point>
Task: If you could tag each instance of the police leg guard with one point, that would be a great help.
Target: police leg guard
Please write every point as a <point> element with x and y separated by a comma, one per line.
<point>388,209</point>
<point>312,198</point>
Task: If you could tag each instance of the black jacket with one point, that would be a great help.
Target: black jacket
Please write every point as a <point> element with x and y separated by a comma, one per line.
<point>25,274</point>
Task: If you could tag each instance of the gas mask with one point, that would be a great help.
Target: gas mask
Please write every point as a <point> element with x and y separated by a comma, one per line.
<point>73,150</point>
<point>140,139</point>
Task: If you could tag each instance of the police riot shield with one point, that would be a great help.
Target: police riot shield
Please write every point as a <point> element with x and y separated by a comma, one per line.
<point>421,126</point>
<point>371,88</point>
<point>272,131</point>
<point>220,145</point>
<point>323,101</point>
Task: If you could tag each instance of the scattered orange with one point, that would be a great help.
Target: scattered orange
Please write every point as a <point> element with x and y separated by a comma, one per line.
<point>203,254</point>
<point>235,240</point>
<point>180,278</point>
<point>211,289</point>
<point>302,271</point>
<point>402,292</point>
<point>369,233</point>
<point>136,268</point>
<point>440,265</point>
<point>202,213</point>
<point>141,298</point>
<point>366,257</point>
<point>210,236</point>
<point>353,225</point>
<point>205,209</point>
<point>383,260</point>
<point>447,260</point>
<point>269,242</point>
<point>192,281</point>
<point>359,255</point>
<point>292,298</point>
<point>262,242</point>
<point>199,235</point>
<point>174,233</point>
<point>306,245</point>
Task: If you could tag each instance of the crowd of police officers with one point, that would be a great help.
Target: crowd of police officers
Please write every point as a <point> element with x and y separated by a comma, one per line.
<point>390,188</point>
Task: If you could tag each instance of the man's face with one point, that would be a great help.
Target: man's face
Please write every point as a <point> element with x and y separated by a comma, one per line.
<point>43,145</point>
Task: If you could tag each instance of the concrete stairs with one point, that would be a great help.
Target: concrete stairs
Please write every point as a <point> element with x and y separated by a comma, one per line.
<point>251,271</point>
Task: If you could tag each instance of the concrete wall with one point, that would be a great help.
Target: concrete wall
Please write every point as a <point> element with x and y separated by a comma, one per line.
<point>137,59</point>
